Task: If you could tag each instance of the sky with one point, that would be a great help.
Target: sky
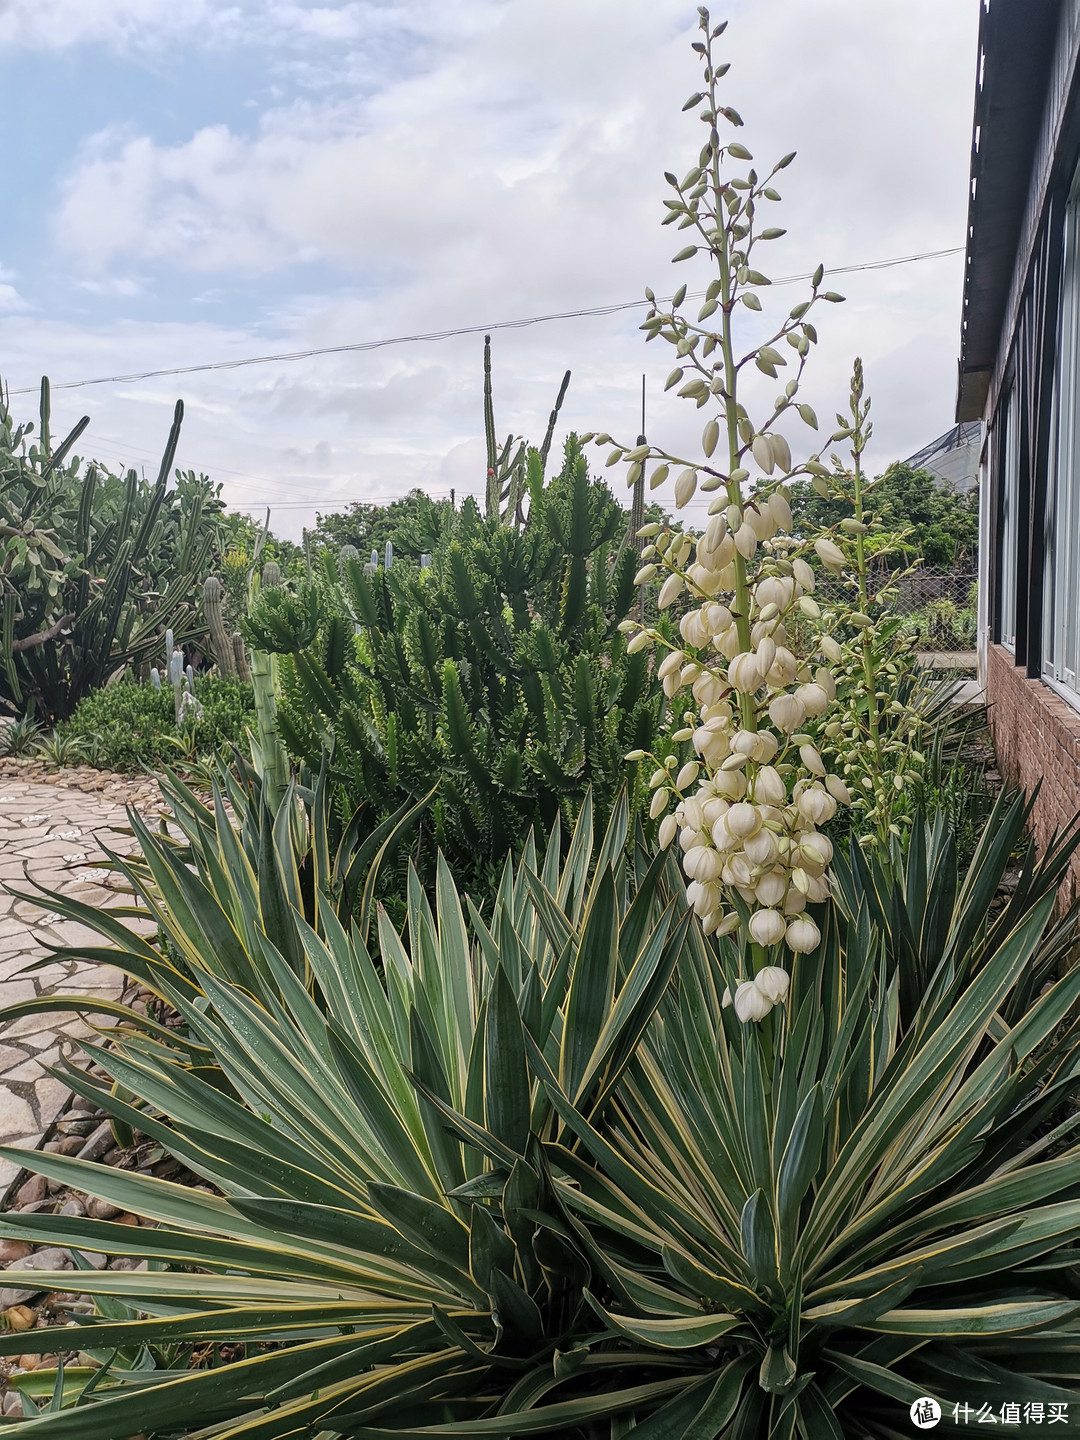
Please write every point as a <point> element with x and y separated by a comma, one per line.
<point>229,178</point>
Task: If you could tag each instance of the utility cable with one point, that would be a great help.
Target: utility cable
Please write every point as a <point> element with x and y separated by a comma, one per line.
<point>363,345</point>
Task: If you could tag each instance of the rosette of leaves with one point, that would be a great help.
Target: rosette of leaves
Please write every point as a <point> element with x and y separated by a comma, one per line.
<point>498,671</point>
<point>93,566</point>
<point>384,1244</point>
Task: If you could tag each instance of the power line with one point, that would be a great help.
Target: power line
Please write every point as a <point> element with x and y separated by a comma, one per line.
<point>364,345</point>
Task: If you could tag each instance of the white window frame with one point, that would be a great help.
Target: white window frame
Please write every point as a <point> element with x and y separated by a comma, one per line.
<point>1061,587</point>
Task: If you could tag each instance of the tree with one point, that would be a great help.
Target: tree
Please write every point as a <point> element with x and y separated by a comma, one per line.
<point>944,525</point>
<point>412,524</point>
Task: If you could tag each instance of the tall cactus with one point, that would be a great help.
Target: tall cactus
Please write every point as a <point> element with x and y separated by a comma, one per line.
<point>220,644</point>
<point>271,759</point>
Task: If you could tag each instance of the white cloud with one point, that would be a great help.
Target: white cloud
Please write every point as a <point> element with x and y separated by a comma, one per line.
<point>516,171</point>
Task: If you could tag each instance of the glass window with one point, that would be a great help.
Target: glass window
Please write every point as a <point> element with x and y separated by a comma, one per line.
<point>1061,617</point>
<point>1010,494</point>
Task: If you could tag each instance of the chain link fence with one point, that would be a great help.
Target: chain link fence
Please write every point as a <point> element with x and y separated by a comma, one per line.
<point>938,607</point>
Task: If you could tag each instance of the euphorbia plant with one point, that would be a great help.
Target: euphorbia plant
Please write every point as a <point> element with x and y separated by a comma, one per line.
<point>748,807</point>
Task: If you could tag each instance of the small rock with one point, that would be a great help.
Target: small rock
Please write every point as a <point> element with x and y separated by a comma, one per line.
<point>33,1189</point>
<point>38,1207</point>
<point>127,1219</point>
<point>52,1257</point>
<point>94,1258</point>
<point>13,1250</point>
<point>12,1298</point>
<point>77,1125</point>
<point>51,1147</point>
<point>102,1210</point>
<point>70,1145</point>
<point>97,1143</point>
<point>113,1156</point>
<point>12,1404</point>
<point>53,1187</point>
<point>73,1207</point>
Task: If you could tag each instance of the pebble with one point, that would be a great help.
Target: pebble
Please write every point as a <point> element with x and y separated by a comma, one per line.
<point>12,1404</point>
<point>13,1250</point>
<point>73,1207</point>
<point>102,1210</point>
<point>97,1142</point>
<point>94,1258</point>
<point>32,1190</point>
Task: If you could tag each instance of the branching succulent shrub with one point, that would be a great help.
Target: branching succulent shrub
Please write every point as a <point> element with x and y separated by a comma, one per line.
<point>497,671</point>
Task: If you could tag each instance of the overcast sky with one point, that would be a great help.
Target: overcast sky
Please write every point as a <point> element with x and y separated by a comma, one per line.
<point>225,178</point>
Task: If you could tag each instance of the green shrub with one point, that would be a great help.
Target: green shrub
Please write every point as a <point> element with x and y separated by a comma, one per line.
<point>498,671</point>
<point>127,725</point>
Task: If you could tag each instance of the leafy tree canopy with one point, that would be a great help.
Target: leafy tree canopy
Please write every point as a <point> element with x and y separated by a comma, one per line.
<point>944,523</point>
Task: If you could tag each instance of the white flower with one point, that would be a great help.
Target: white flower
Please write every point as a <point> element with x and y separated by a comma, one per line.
<point>671,664</point>
<point>745,541</point>
<point>814,699</point>
<point>745,674</point>
<point>837,789</point>
<point>772,887</point>
<point>767,927</point>
<point>830,649</point>
<point>743,820</point>
<point>659,804</point>
<point>751,1003</point>
<point>811,759</point>
<point>769,787</point>
<point>786,713</point>
<point>687,775</point>
<point>761,849</point>
<point>803,573</point>
<point>781,510</point>
<point>685,486</point>
<point>670,590</point>
<point>773,981</point>
<point>803,935</point>
<point>816,805</point>
<point>668,826</point>
<point>693,630</point>
<point>830,554</point>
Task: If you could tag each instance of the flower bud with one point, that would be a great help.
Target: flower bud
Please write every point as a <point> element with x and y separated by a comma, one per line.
<point>767,927</point>
<point>811,759</point>
<point>685,486</point>
<point>773,981</point>
<point>751,1004</point>
<point>802,935</point>
<point>659,804</point>
<point>687,775</point>
<point>671,664</point>
<point>830,554</point>
<point>692,813</point>
<point>670,590</point>
<point>745,542</point>
<point>830,649</point>
<point>645,574</point>
<point>639,642</point>
<point>730,783</point>
<point>668,826</point>
<point>766,654</point>
<point>824,678</point>
<point>781,510</point>
<point>803,574</point>
<point>837,789</point>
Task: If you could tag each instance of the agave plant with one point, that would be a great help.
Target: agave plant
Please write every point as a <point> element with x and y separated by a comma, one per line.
<point>386,1209</point>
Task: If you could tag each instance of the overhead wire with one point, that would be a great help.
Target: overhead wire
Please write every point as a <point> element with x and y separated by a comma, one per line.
<point>359,346</point>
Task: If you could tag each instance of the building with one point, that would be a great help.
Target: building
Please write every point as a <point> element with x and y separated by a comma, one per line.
<point>953,457</point>
<point>1020,374</point>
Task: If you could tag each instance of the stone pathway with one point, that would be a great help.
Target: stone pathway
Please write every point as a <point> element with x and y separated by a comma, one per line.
<point>50,834</point>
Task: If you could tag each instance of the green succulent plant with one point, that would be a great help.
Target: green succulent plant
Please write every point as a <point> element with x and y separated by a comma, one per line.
<point>498,671</point>
<point>94,566</point>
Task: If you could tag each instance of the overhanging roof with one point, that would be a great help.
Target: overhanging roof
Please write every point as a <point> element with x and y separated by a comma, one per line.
<point>1016,46</point>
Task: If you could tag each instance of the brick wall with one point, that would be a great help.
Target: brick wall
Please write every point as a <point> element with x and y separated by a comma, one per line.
<point>1037,737</point>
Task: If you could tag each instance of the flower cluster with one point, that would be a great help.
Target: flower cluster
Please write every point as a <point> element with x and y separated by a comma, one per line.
<point>747,810</point>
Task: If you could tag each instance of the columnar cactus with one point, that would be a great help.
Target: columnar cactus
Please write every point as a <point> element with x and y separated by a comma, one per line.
<point>213,594</point>
<point>240,664</point>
